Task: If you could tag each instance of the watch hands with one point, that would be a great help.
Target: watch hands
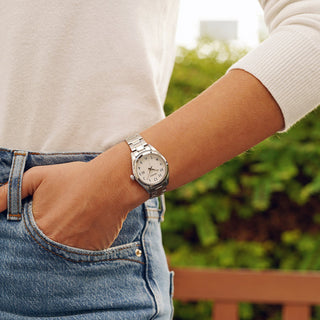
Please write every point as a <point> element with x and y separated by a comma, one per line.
<point>151,169</point>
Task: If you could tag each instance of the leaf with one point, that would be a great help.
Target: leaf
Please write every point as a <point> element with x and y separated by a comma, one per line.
<point>310,189</point>
<point>291,237</point>
<point>261,194</point>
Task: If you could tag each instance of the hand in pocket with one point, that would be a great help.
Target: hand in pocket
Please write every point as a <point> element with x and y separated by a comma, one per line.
<point>73,205</point>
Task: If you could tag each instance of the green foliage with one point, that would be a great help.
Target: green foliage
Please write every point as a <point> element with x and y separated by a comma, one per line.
<point>229,218</point>
<point>187,311</point>
<point>197,69</point>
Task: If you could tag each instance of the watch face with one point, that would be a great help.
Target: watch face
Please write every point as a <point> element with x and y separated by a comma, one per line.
<point>151,168</point>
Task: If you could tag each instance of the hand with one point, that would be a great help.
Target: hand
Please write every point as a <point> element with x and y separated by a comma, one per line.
<point>73,204</point>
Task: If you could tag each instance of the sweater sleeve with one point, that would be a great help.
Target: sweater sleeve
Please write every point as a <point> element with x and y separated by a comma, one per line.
<point>288,62</point>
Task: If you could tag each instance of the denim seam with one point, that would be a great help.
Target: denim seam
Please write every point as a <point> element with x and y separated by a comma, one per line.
<point>146,269</point>
<point>19,154</point>
<point>73,260</point>
<point>10,191</point>
<point>19,182</point>
<point>9,186</point>
<point>171,293</point>
<point>15,215</point>
<point>70,259</point>
<point>55,153</point>
<point>72,252</point>
<point>63,154</point>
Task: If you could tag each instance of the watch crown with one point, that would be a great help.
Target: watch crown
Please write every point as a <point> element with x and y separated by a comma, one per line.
<point>132,177</point>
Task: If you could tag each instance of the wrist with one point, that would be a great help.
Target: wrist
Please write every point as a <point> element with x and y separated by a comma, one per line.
<point>113,168</point>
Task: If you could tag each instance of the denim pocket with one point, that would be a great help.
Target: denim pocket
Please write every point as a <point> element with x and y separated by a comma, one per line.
<point>120,249</point>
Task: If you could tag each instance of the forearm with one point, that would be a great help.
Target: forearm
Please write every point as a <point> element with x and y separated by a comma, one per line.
<point>228,118</point>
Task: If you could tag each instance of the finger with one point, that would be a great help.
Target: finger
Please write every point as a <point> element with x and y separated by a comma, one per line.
<point>30,182</point>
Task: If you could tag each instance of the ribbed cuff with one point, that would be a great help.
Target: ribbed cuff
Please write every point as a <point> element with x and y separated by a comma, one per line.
<point>288,65</point>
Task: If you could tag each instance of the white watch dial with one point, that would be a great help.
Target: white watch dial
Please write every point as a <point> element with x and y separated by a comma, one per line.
<point>151,168</point>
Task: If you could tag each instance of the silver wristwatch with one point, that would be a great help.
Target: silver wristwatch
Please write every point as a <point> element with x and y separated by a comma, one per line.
<point>149,167</point>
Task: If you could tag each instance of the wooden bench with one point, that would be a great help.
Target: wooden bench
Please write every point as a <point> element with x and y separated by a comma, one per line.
<point>295,291</point>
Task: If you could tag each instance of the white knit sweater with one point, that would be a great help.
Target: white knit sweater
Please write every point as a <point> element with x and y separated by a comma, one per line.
<point>81,75</point>
<point>288,62</point>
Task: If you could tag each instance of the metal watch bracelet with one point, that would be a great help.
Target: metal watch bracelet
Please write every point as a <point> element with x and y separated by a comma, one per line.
<point>137,145</point>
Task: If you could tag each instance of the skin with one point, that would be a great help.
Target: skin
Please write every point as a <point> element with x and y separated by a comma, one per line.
<point>232,115</point>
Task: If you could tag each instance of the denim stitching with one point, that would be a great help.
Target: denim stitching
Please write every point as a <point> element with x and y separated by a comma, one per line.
<point>55,153</point>
<point>69,251</point>
<point>171,293</point>
<point>63,153</point>
<point>79,261</point>
<point>146,271</point>
<point>10,186</point>
<point>18,216</point>
<point>69,259</point>
<point>16,163</point>
<point>19,182</point>
<point>19,154</point>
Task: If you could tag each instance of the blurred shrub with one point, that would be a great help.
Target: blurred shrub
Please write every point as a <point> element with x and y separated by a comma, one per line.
<point>260,210</point>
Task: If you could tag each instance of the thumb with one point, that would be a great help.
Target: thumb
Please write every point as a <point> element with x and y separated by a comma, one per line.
<point>30,182</point>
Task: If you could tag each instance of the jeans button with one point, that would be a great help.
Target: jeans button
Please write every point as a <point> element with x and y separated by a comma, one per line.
<point>138,252</point>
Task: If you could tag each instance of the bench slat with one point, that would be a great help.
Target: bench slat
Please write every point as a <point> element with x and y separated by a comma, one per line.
<point>296,312</point>
<point>275,287</point>
<point>296,291</point>
<point>225,311</point>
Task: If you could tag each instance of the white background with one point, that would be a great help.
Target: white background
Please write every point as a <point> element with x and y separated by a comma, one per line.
<point>246,12</point>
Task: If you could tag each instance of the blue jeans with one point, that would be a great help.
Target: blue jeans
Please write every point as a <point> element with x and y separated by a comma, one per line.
<point>43,279</point>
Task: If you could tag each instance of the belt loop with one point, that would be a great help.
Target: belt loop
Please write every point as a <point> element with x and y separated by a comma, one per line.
<point>14,185</point>
<point>162,207</point>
